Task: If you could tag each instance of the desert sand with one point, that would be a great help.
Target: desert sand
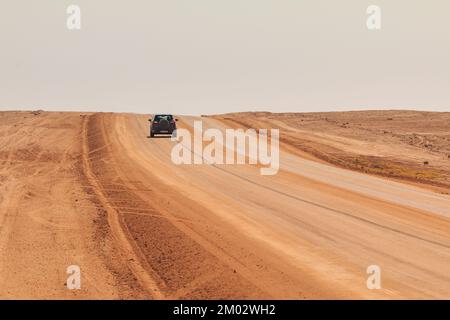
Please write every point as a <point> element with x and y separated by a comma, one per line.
<point>353,190</point>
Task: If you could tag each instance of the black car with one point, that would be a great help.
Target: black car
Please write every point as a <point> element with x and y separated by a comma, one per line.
<point>162,123</point>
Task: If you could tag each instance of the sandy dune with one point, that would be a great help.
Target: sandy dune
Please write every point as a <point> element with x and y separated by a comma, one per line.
<point>94,191</point>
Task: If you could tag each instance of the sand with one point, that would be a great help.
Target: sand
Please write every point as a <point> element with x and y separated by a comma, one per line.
<point>91,189</point>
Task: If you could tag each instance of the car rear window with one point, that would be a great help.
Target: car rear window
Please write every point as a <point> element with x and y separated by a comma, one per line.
<point>159,117</point>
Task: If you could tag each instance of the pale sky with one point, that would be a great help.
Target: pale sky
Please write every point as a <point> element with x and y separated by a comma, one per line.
<point>216,56</point>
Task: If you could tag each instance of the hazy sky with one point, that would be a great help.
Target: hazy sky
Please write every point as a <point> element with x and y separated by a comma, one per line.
<point>215,56</point>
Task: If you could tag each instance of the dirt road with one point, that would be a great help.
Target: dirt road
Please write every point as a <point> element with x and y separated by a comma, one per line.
<point>92,190</point>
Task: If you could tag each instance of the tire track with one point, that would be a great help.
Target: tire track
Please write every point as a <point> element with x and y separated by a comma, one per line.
<point>120,237</point>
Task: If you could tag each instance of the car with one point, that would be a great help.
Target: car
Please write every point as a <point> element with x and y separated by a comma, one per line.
<point>162,123</point>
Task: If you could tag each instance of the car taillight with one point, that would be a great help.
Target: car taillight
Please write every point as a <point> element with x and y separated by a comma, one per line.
<point>156,122</point>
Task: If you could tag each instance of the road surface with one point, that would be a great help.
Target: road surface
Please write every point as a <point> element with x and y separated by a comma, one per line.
<point>109,199</point>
